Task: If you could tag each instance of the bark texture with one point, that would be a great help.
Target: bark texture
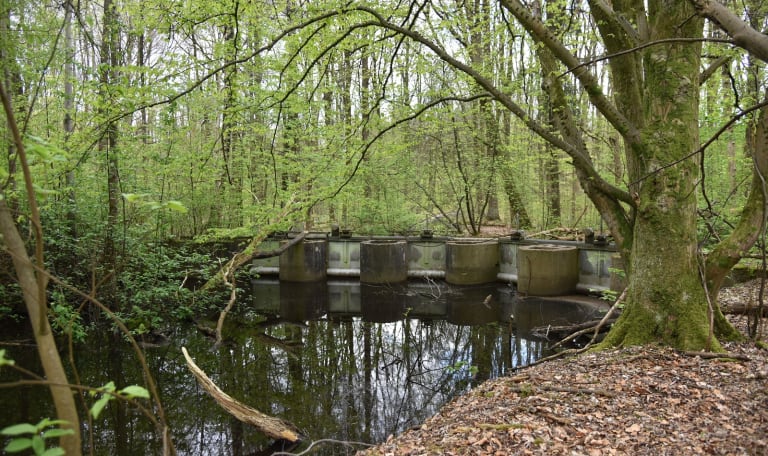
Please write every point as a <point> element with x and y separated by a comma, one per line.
<point>271,426</point>
<point>666,300</point>
<point>26,275</point>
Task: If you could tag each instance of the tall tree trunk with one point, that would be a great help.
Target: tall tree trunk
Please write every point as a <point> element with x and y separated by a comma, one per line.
<point>11,79</point>
<point>108,148</point>
<point>665,298</point>
<point>33,283</point>
<point>232,178</point>
<point>552,187</point>
<point>69,108</point>
<point>518,214</point>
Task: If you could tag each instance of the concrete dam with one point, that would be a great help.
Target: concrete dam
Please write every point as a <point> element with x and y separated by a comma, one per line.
<point>536,267</point>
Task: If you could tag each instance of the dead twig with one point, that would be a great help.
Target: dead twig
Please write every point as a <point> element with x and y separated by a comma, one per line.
<point>596,329</point>
<point>230,283</point>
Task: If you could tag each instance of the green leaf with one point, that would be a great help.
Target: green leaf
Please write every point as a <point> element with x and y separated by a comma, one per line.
<point>53,452</point>
<point>38,444</point>
<point>134,197</point>
<point>19,429</point>
<point>45,422</point>
<point>3,360</point>
<point>47,152</point>
<point>109,387</point>
<point>16,445</point>
<point>135,391</point>
<point>177,206</point>
<point>43,192</point>
<point>54,433</point>
<point>99,405</point>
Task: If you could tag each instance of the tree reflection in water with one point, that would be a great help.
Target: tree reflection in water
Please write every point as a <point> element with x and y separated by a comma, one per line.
<point>340,360</point>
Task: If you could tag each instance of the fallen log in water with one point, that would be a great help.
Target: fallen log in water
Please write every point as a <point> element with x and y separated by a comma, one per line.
<point>269,425</point>
<point>561,332</point>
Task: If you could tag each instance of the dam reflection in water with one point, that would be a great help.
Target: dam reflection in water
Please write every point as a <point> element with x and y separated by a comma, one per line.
<point>339,359</point>
<point>377,359</point>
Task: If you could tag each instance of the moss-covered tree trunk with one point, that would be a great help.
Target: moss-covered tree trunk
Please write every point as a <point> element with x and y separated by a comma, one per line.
<point>666,299</point>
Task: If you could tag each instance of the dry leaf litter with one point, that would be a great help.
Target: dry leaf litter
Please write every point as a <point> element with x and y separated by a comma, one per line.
<point>631,401</point>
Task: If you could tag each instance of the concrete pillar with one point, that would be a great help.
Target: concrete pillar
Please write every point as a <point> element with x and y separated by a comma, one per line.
<point>383,261</point>
<point>471,262</point>
<point>547,269</point>
<point>304,262</point>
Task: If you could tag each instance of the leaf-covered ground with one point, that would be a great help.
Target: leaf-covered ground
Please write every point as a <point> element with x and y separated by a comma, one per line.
<point>634,401</point>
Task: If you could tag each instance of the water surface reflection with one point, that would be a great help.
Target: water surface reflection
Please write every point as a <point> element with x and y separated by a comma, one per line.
<point>341,360</point>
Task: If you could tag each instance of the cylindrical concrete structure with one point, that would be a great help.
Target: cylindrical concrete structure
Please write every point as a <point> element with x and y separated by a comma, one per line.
<point>382,303</point>
<point>303,302</point>
<point>470,262</point>
<point>383,261</point>
<point>472,305</point>
<point>547,269</point>
<point>304,262</point>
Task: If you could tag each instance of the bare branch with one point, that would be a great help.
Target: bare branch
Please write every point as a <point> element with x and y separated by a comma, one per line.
<point>541,33</point>
<point>743,35</point>
<point>580,161</point>
<point>271,426</point>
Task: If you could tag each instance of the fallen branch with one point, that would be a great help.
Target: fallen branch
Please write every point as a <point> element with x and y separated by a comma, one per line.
<point>740,308</point>
<point>311,448</point>
<point>528,389</point>
<point>565,234</point>
<point>278,251</point>
<point>712,355</point>
<point>269,425</point>
<point>227,274</point>
<point>230,283</point>
<point>249,253</point>
<point>565,332</point>
<point>596,328</point>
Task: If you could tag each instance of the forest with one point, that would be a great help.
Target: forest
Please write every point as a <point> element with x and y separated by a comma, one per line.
<point>149,147</point>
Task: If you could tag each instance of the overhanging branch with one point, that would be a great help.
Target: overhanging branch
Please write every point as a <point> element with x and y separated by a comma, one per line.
<point>743,35</point>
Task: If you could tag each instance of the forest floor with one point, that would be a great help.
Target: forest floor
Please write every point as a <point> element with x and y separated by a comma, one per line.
<point>632,401</point>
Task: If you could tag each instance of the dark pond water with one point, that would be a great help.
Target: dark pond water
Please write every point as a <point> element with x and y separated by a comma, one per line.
<point>340,360</point>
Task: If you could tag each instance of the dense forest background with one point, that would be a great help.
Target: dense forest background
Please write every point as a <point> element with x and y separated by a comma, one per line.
<point>136,130</point>
<point>149,121</point>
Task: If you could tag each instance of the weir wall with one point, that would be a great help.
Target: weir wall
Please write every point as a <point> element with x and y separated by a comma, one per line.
<point>461,261</point>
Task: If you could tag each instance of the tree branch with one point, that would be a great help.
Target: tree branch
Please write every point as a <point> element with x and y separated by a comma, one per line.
<point>580,160</point>
<point>541,33</point>
<point>271,426</point>
<point>743,35</point>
